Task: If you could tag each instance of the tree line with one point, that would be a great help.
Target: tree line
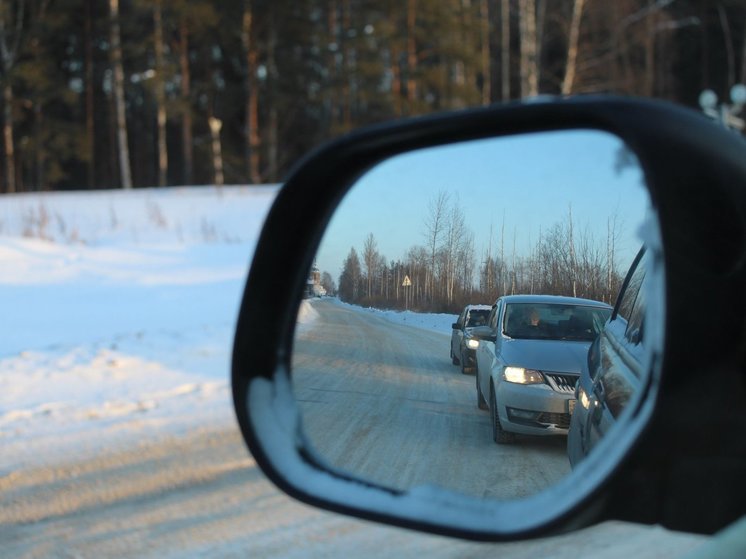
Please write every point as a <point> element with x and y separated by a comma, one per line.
<point>445,273</point>
<point>129,93</point>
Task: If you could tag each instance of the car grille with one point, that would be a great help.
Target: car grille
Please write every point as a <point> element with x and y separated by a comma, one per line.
<point>562,382</point>
<point>561,420</point>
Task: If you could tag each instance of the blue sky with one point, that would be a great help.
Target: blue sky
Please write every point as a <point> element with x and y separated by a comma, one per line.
<point>528,182</point>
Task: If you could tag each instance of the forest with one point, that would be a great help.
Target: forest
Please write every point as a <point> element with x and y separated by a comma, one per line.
<point>446,273</point>
<point>135,93</point>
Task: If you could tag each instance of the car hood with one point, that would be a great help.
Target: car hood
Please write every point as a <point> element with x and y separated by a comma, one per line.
<point>558,356</point>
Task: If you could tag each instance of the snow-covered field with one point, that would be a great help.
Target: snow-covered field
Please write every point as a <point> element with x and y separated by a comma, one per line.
<point>119,310</point>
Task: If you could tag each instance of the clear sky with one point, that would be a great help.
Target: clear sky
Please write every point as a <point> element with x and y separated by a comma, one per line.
<point>527,182</point>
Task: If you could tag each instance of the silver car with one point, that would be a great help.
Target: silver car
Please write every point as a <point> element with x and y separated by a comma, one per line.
<point>529,359</point>
<point>462,342</point>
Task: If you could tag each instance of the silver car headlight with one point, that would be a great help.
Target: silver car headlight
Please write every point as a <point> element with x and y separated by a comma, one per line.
<point>583,398</point>
<point>472,343</point>
<point>519,375</point>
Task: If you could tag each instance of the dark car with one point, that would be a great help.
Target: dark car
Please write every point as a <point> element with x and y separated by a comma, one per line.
<point>463,343</point>
<point>615,362</point>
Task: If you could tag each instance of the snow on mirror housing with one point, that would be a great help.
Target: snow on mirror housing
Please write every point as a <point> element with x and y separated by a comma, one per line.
<point>411,166</point>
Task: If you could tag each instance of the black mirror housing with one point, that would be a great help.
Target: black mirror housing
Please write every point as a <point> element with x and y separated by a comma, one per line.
<point>680,453</point>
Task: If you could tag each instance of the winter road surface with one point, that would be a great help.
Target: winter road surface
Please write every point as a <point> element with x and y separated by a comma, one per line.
<point>202,495</point>
<point>383,400</point>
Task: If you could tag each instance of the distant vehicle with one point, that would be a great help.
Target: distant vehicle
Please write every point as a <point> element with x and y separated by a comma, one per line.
<point>463,344</point>
<point>529,359</point>
<point>615,361</point>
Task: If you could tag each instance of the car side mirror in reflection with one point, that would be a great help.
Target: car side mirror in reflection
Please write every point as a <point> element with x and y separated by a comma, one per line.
<point>528,217</point>
<point>483,333</point>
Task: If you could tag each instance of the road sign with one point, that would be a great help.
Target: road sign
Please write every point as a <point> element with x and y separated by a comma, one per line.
<point>407,282</point>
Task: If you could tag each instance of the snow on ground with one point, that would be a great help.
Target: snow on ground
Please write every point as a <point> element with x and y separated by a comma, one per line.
<point>435,322</point>
<point>119,309</point>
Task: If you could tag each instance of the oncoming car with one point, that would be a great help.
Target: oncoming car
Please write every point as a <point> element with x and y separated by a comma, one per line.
<point>529,363</point>
<point>463,344</point>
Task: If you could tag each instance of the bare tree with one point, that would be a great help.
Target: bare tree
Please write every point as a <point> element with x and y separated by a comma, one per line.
<point>187,138</point>
<point>273,78</point>
<point>505,48</point>
<point>252,93</point>
<point>571,249</point>
<point>484,8</point>
<point>434,228</point>
<point>572,47</point>
<point>90,117</point>
<point>160,92</point>
<point>12,16</point>
<point>328,283</point>
<point>371,260</point>
<point>125,173</point>
<point>411,54</point>
<point>453,247</point>
<point>529,54</point>
<point>502,256</point>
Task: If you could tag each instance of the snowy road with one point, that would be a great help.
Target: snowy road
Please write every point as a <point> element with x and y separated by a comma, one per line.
<point>202,496</point>
<point>383,400</point>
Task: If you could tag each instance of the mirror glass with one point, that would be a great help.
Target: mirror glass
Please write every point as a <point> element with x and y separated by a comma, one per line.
<point>411,364</point>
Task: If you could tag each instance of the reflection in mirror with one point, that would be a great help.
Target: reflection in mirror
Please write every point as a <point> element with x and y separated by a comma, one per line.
<point>432,348</point>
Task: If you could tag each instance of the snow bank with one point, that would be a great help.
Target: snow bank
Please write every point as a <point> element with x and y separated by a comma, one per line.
<point>119,310</point>
<point>307,315</point>
<point>435,322</point>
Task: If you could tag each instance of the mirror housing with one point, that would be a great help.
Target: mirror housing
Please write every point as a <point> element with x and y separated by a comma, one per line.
<point>679,452</point>
<point>483,333</point>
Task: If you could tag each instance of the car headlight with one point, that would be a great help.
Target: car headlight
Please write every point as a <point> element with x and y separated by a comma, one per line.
<point>472,343</point>
<point>583,398</point>
<point>519,375</point>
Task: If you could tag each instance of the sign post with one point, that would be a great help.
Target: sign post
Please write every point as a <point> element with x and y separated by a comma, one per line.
<point>406,283</point>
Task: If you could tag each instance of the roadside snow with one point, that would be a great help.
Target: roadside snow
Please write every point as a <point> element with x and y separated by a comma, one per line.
<point>307,315</point>
<point>119,309</point>
<point>435,322</point>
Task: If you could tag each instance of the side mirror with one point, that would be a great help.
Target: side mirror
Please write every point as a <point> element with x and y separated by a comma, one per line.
<point>483,333</point>
<point>455,326</point>
<point>668,457</point>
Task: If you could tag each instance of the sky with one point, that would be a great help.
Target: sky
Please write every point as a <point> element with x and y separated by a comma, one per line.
<point>524,184</point>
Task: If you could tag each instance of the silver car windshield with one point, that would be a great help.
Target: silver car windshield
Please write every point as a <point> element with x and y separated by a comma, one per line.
<point>549,321</point>
<point>478,318</point>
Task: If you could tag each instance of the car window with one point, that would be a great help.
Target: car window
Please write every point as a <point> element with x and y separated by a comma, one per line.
<point>634,331</point>
<point>494,316</point>
<point>553,321</point>
<point>628,297</point>
<point>478,317</point>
